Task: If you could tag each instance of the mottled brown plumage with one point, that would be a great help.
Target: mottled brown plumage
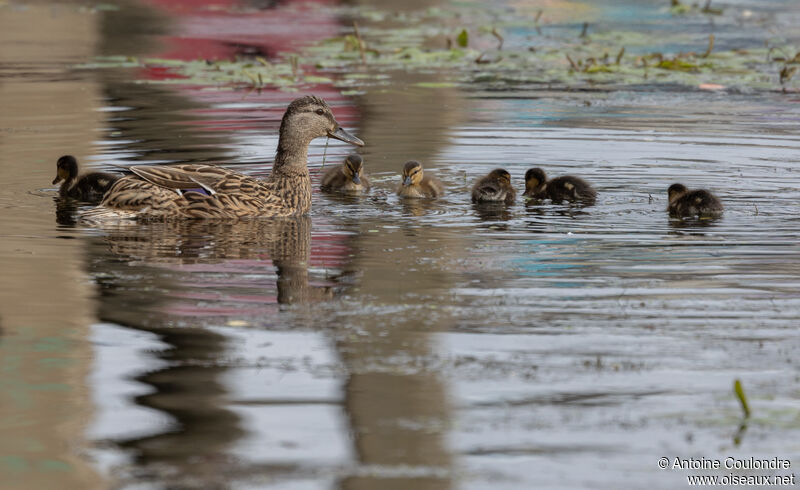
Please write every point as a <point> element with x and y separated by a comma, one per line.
<point>211,192</point>
<point>564,188</point>
<point>686,203</point>
<point>87,187</point>
<point>348,177</point>
<point>416,184</point>
<point>494,187</point>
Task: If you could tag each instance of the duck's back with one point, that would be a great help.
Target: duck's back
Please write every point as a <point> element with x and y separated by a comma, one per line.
<point>89,187</point>
<point>335,180</point>
<point>489,189</point>
<point>206,191</point>
<point>698,202</point>
<point>432,187</point>
<point>570,188</point>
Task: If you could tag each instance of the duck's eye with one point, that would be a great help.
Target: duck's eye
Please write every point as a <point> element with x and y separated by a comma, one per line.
<point>320,111</point>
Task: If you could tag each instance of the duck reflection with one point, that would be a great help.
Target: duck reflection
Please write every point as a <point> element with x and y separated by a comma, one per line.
<point>286,242</point>
<point>156,277</point>
<point>691,226</point>
<point>492,211</point>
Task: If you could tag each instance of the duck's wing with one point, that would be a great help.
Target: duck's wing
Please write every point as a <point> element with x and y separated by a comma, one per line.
<point>134,194</point>
<point>183,176</point>
<point>433,186</point>
<point>492,190</point>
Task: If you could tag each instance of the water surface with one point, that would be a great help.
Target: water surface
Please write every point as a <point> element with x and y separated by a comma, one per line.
<point>386,344</point>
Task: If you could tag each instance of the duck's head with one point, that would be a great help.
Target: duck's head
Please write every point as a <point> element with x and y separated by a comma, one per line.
<point>534,177</point>
<point>352,167</point>
<point>66,169</point>
<point>501,174</point>
<point>675,191</point>
<point>310,117</point>
<point>412,173</point>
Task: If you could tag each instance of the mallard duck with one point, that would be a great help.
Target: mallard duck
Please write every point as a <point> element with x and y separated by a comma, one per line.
<point>416,184</point>
<point>494,187</point>
<point>347,177</point>
<point>564,188</point>
<point>209,191</point>
<point>698,202</point>
<point>87,187</point>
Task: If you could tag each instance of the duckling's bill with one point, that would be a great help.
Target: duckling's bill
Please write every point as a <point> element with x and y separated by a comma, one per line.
<point>342,135</point>
<point>61,174</point>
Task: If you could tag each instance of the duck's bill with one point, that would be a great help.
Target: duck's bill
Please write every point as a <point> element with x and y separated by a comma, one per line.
<point>342,135</point>
<point>356,179</point>
<point>56,180</point>
<point>407,181</point>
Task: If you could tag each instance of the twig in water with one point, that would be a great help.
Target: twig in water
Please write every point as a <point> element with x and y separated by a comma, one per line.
<point>572,63</point>
<point>499,38</point>
<point>293,62</point>
<point>710,46</point>
<point>360,43</point>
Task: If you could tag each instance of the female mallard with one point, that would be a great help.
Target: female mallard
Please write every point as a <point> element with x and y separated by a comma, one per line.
<point>564,188</point>
<point>494,187</point>
<point>209,191</point>
<point>416,184</point>
<point>86,187</point>
<point>347,177</point>
<point>698,202</point>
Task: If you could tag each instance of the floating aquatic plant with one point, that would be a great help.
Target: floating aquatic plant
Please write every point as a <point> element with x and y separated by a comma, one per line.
<point>486,47</point>
<point>739,391</point>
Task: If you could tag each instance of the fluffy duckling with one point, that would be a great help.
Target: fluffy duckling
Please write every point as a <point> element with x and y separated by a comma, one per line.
<point>564,188</point>
<point>86,187</point>
<point>698,202</point>
<point>494,187</point>
<point>347,177</point>
<point>417,185</point>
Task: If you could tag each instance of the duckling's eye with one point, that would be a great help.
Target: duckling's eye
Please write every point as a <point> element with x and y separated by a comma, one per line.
<point>320,111</point>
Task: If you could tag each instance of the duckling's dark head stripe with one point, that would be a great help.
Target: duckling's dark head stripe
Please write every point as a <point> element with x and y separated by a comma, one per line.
<point>411,165</point>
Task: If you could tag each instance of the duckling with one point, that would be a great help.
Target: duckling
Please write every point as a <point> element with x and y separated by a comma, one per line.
<point>169,192</point>
<point>417,185</point>
<point>347,177</point>
<point>564,188</point>
<point>494,187</point>
<point>698,202</point>
<point>86,187</point>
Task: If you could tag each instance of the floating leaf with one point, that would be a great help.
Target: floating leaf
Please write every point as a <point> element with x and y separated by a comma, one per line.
<point>463,38</point>
<point>677,65</point>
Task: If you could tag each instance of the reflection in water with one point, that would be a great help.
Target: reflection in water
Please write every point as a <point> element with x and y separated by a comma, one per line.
<point>417,207</point>
<point>688,224</point>
<point>444,346</point>
<point>492,211</point>
<point>398,417</point>
<point>150,278</point>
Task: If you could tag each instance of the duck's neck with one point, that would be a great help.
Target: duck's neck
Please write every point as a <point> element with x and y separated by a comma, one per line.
<point>289,177</point>
<point>68,184</point>
<point>292,155</point>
